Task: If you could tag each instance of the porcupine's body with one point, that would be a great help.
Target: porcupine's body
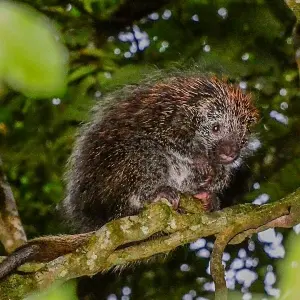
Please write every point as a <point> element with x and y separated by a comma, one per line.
<point>181,135</point>
<point>153,141</point>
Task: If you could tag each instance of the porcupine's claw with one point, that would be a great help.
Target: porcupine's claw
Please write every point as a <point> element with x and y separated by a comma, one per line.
<point>169,193</point>
<point>207,200</point>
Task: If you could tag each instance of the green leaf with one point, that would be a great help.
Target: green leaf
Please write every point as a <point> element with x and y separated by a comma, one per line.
<point>32,60</point>
<point>290,267</point>
<point>56,292</point>
<point>81,72</point>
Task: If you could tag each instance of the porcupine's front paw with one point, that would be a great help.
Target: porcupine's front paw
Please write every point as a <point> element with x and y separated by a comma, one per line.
<point>204,170</point>
<point>169,193</point>
<point>209,201</point>
<point>207,173</point>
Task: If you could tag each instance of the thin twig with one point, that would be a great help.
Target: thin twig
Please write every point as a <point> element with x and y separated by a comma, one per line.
<point>260,218</point>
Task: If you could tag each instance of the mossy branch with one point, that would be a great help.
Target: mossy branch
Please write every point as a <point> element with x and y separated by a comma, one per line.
<point>231,225</point>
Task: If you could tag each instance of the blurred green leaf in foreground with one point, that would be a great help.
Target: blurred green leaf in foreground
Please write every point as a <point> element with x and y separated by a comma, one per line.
<point>290,270</point>
<point>32,60</point>
<point>64,292</point>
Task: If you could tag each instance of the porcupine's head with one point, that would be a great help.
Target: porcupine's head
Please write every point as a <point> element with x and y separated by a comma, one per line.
<point>224,118</point>
<point>210,114</point>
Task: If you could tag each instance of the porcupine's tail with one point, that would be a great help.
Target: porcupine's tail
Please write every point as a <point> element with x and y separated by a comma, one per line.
<point>42,249</point>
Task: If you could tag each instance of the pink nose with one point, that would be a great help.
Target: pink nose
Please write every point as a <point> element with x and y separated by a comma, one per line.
<point>226,159</point>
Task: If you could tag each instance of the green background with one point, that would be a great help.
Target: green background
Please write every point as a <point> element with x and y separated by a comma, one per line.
<point>112,43</point>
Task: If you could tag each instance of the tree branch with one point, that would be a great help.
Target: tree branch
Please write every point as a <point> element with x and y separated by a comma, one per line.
<point>231,225</point>
<point>294,5</point>
<point>12,234</point>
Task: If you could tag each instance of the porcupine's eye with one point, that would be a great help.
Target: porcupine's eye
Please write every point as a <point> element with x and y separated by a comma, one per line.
<point>249,126</point>
<point>216,128</point>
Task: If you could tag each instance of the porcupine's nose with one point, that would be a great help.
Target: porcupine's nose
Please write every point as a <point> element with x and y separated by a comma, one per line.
<point>227,152</point>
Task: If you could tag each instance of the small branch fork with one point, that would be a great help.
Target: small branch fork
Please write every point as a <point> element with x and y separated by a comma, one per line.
<point>239,230</point>
<point>230,226</point>
<point>12,234</point>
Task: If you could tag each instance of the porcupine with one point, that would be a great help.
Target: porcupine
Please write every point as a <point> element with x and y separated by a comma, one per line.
<point>183,134</point>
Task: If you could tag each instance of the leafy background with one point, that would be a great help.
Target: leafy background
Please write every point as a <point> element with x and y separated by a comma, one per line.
<point>112,43</point>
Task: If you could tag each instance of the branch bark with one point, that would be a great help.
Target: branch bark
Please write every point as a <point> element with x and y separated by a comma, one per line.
<point>12,234</point>
<point>294,5</point>
<point>231,225</point>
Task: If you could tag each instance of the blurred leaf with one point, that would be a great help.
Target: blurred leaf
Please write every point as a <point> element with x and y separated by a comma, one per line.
<point>32,60</point>
<point>290,267</point>
<point>63,292</point>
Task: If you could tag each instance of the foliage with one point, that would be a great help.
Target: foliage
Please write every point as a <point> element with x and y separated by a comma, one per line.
<point>247,41</point>
<point>290,267</point>
<point>26,54</point>
<point>65,292</point>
